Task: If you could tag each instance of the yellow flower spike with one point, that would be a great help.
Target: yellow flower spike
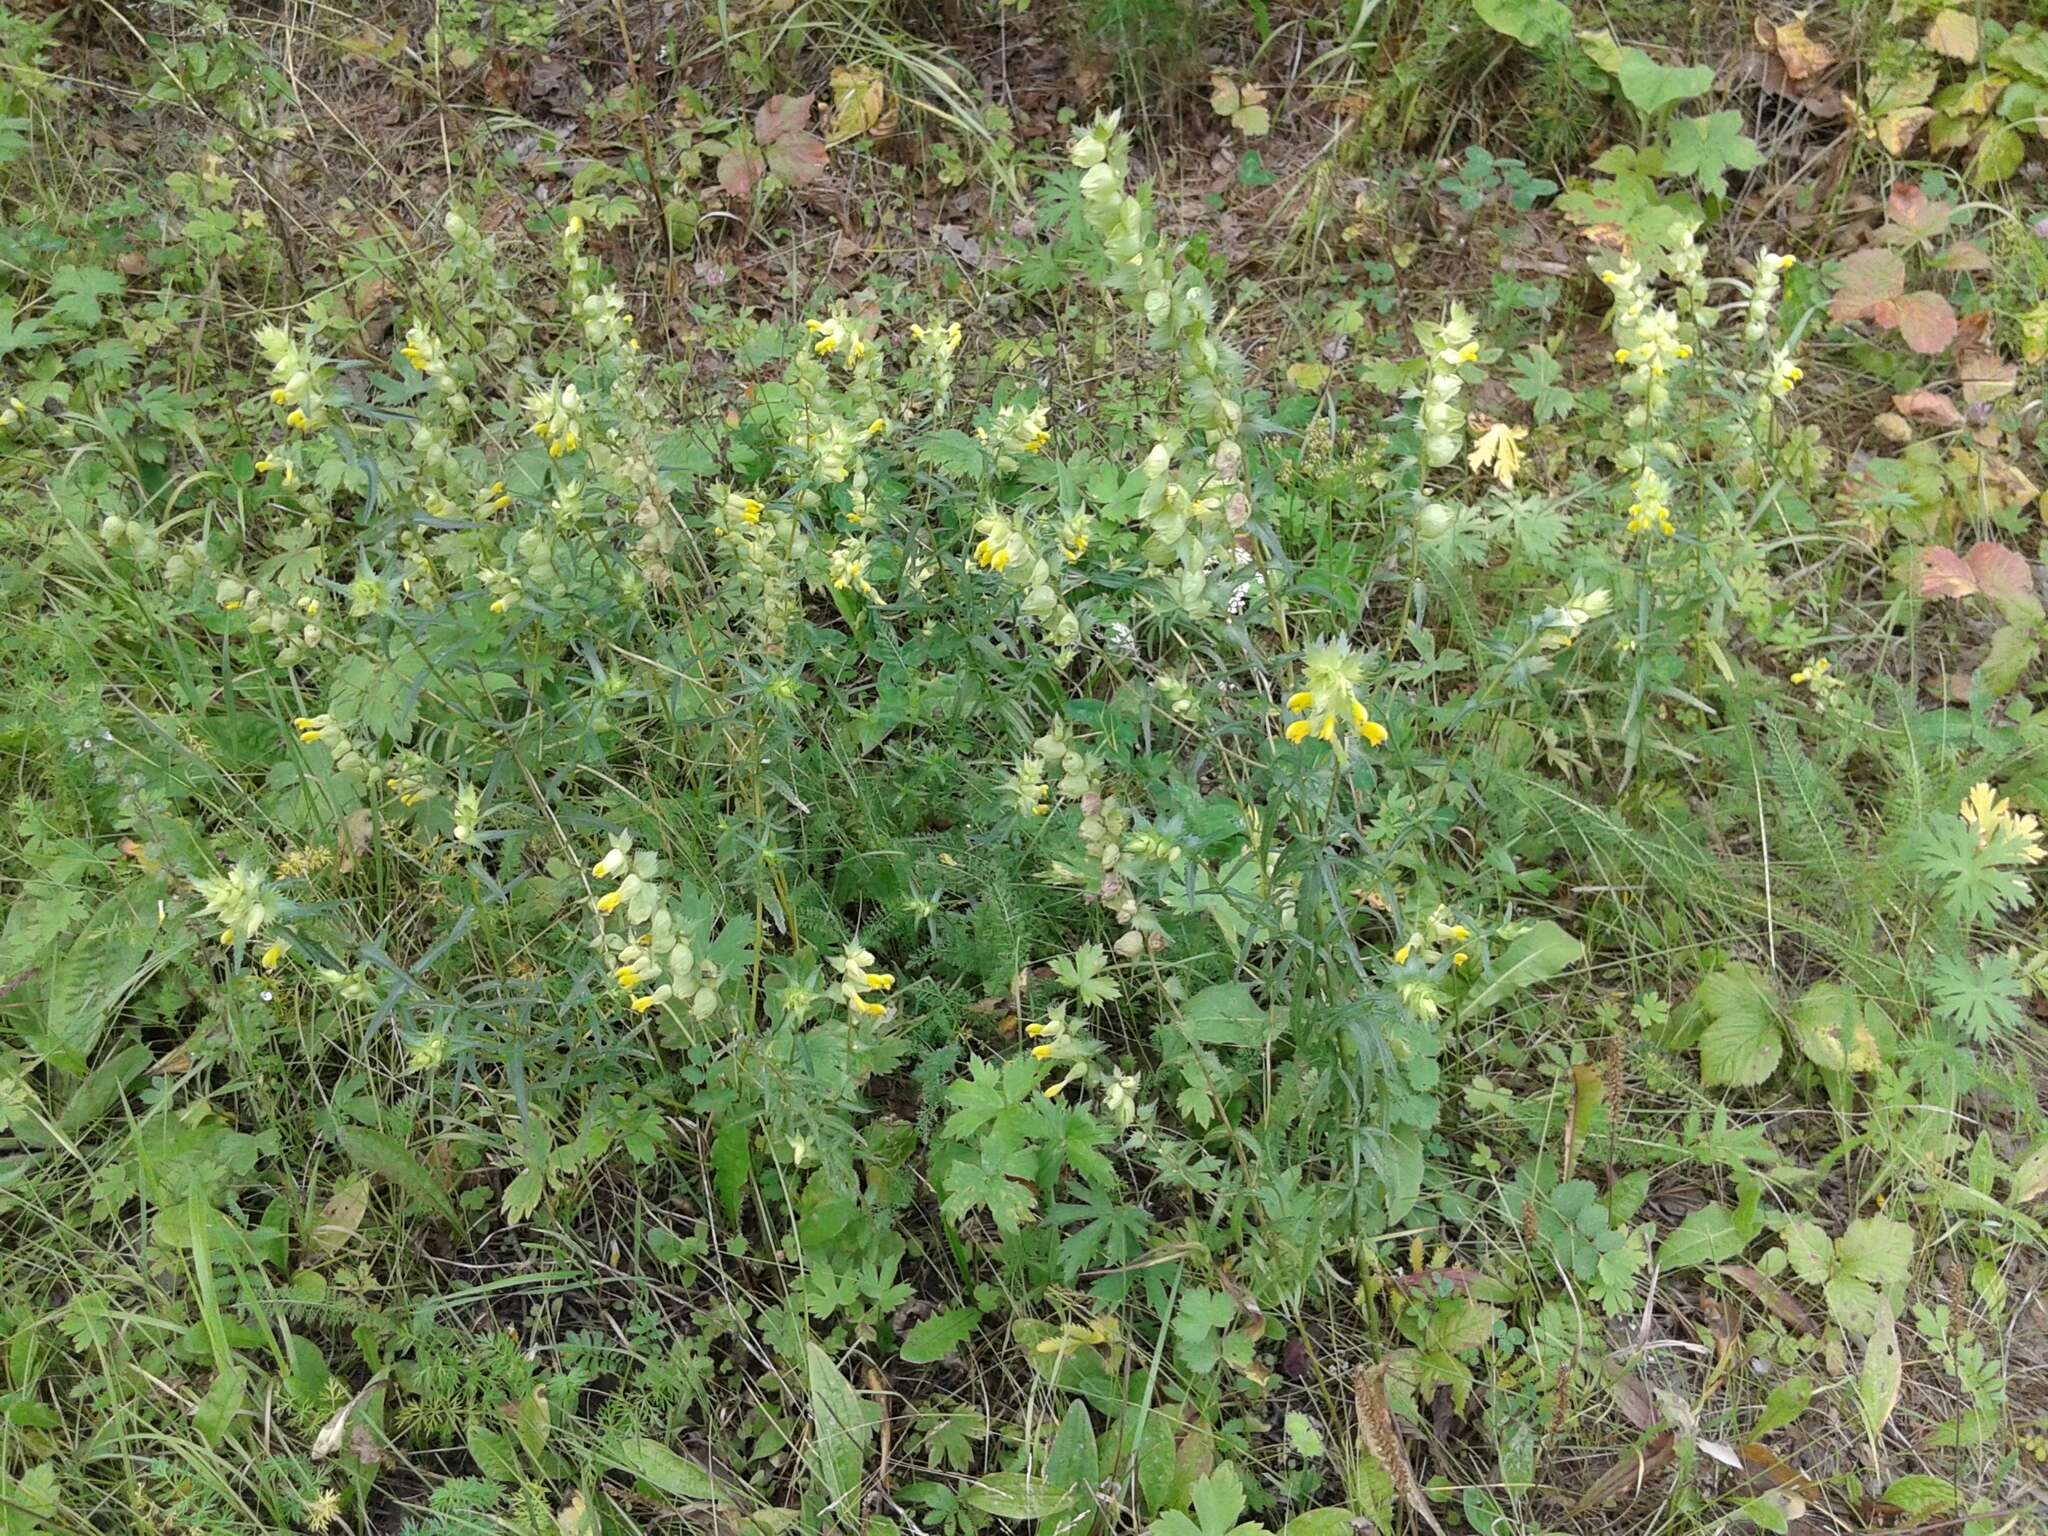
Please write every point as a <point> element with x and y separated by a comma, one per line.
<point>1297,733</point>
<point>271,956</point>
<point>1041,1053</point>
<point>1302,702</point>
<point>1375,734</point>
<point>627,977</point>
<point>871,1009</point>
<point>1000,560</point>
<point>609,902</point>
<point>881,980</point>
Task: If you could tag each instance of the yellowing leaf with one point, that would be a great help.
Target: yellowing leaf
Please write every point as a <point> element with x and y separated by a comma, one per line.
<point>860,103</point>
<point>1953,33</point>
<point>340,1217</point>
<point>1896,131</point>
<point>1308,376</point>
<point>1242,104</point>
<point>1877,1387</point>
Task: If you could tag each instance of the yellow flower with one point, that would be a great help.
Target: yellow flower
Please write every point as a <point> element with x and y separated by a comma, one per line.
<point>609,902</point>
<point>1041,1053</point>
<point>1460,958</point>
<point>627,977</point>
<point>1401,955</point>
<point>272,955</point>
<point>296,419</point>
<point>1297,733</point>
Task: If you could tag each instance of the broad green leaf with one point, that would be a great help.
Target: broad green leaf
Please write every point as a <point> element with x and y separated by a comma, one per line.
<point>1532,23</point>
<point>1071,1463</point>
<point>1016,1496</point>
<point>1652,88</point>
<point>655,1464</point>
<point>215,1415</point>
<point>1540,952</point>
<point>1876,1250</point>
<point>1920,1495</point>
<point>937,1337</point>
<point>494,1454</point>
<point>1320,1522</point>
<point>1787,1401</point>
<point>1224,1014</point>
<point>842,1428</point>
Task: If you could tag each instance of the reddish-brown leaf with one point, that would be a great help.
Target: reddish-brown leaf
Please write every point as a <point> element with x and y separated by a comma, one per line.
<point>1928,409</point>
<point>740,169</point>
<point>1943,573</point>
<point>1914,215</point>
<point>1926,321</point>
<point>1867,279</point>
<point>1382,1440</point>
<point>799,159</point>
<point>1999,573</point>
<point>781,116</point>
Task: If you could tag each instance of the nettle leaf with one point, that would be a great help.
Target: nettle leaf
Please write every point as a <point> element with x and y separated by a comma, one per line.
<point>1707,148</point>
<point>1532,23</point>
<point>1742,1042</point>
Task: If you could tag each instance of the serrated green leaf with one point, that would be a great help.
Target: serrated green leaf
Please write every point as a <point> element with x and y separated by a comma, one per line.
<point>1708,148</point>
<point>937,1337</point>
<point>1741,1043</point>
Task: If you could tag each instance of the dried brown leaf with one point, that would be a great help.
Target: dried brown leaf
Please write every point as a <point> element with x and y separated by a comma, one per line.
<point>1382,1441</point>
